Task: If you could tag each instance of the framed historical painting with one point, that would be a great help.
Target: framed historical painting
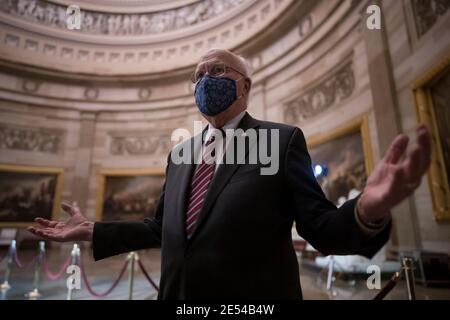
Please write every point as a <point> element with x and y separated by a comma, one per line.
<point>342,160</point>
<point>29,192</point>
<point>432,98</point>
<point>130,194</point>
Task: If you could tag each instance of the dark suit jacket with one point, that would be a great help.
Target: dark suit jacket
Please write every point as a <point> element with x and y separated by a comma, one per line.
<point>242,245</point>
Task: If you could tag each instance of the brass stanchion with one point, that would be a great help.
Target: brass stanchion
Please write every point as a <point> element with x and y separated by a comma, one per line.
<point>35,294</point>
<point>389,286</point>
<point>75,257</point>
<point>331,278</point>
<point>132,257</point>
<point>408,267</point>
<point>5,286</point>
<point>330,274</point>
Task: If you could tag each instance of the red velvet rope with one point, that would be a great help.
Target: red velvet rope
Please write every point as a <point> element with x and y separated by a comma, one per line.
<point>24,265</point>
<point>55,276</point>
<point>147,276</point>
<point>116,282</point>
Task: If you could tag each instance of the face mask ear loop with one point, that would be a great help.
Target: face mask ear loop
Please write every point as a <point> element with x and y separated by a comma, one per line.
<point>195,85</point>
<point>238,97</point>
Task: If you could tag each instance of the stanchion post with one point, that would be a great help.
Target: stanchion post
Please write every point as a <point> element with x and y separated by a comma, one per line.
<point>408,268</point>
<point>389,286</point>
<point>5,286</point>
<point>132,257</point>
<point>75,257</point>
<point>35,294</point>
<point>330,274</point>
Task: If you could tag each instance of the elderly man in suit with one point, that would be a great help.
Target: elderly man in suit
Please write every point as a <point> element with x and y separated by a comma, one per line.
<point>225,228</point>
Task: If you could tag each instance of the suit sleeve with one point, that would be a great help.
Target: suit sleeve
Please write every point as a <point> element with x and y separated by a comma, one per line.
<point>112,238</point>
<point>328,229</point>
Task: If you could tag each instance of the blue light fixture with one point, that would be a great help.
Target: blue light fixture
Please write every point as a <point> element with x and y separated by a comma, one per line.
<point>320,170</point>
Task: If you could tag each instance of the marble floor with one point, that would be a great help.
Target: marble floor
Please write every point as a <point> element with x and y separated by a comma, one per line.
<point>101,275</point>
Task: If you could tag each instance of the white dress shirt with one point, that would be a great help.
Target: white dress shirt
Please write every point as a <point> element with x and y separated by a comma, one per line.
<point>230,125</point>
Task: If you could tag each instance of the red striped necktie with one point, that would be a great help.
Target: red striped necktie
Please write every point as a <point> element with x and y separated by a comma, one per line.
<point>199,186</point>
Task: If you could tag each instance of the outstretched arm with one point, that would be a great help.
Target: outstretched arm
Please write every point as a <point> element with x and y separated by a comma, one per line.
<point>111,238</point>
<point>108,238</point>
<point>338,231</point>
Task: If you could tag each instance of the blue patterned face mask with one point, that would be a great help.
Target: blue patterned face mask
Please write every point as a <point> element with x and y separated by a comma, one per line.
<point>214,95</point>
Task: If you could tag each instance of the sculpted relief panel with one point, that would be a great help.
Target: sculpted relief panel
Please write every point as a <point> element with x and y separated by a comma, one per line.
<point>31,139</point>
<point>137,36</point>
<point>427,13</point>
<point>139,144</point>
<point>120,24</point>
<point>334,88</point>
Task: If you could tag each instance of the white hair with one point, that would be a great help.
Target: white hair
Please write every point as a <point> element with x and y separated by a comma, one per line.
<point>248,67</point>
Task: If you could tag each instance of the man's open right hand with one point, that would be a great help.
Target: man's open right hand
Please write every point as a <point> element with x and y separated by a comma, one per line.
<point>76,228</point>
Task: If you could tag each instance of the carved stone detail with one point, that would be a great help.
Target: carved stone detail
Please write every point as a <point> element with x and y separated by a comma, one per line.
<point>321,97</point>
<point>427,13</point>
<point>140,144</point>
<point>95,55</point>
<point>120,24</point>
<point>144,93</point>
<point>305,26</point>
<point>91,93</point>
<point>31,139</point>
<point>31,85</point>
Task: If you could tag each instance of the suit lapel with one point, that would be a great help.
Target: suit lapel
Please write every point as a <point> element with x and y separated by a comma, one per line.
<point>221,178</point>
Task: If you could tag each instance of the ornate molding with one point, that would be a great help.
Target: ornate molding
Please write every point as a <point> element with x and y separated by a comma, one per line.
<point>91,93</point>
<point>139,144</point>
<point>132,51</point>
<point>334,88</point>
<point>31,139</point>
<point>127,6</point>
<point>424,88</point>
<point>427,13</point>
<point>31,85</point>
<point>96,22</point>
<point>144,93</point>
<point>305,26</point>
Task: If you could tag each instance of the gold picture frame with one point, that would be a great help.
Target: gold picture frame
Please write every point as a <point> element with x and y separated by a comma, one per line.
<point>127,176</point>
<point>425,110</point>
<point>360,124</point>
<point>355,133</point>
<point>31,186</point>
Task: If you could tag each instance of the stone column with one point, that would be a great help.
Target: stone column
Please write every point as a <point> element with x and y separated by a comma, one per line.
<point>405,233</point>
<point>257,102</point>
<point>82,170</point>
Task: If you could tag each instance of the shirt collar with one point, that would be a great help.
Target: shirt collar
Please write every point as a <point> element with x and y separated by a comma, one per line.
<point>232,124</point>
